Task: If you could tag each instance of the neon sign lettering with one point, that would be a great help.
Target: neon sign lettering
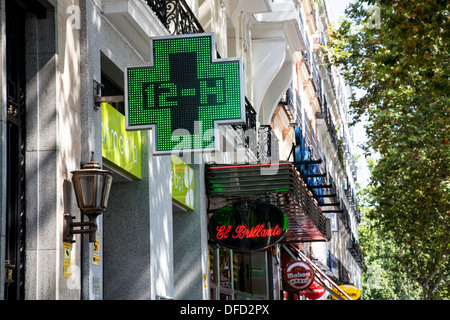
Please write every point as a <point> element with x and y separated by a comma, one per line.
<point>222,232</point>
<point>241,232</point>
<point>248,225</point>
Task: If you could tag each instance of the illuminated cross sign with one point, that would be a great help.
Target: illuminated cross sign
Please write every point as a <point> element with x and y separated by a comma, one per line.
<point>184,93</point>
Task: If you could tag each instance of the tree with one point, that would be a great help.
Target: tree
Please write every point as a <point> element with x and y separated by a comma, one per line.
<point>381,280</point>
<point>397,52</point>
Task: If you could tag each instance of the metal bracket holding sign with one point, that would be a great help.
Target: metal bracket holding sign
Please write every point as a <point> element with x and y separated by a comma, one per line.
<point>184,93</point>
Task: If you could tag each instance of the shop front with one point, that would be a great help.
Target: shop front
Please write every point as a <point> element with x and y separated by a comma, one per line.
<point>250,252</point>
<point>242,235</point>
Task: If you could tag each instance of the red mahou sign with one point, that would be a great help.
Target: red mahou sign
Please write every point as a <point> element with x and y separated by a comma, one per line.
<point>299,275</point>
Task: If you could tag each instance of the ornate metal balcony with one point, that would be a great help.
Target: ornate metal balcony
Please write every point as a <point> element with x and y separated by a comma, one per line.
<point>244,131</point>
<point>176,16</point>
<point>355,250</point>
<point>267,145</point>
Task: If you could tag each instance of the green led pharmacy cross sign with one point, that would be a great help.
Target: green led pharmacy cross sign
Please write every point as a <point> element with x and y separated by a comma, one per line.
<point>184,94</point>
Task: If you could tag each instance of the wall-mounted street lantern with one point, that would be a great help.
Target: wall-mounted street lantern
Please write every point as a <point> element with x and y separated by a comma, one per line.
<point>91,185</point>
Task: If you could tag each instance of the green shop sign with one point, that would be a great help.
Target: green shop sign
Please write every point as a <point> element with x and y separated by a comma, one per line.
<point>182,183</point>
<point>121,149</point>
<point>184,94</point>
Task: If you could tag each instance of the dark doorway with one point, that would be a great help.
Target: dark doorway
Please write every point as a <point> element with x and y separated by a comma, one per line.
<point>15,206</point>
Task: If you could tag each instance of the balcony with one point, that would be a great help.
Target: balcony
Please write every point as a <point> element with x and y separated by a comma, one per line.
<point>283,16</point>
<point>331,128</point>
<point>137,20</point>
<point>288,103</point>
<point>267,145</point>
<point>176,16</point>
<point>306,55</point>
<point>344,275</point>
<point>246,134</point>
<point>355,250</point>
<point>345,219</point>
<point>311,165</point>
<point>285,189</point>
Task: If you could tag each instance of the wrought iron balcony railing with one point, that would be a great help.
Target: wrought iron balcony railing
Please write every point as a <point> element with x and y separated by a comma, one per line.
<point>267,145</point>
<point>248,134</point>
<point>344,275</point>
<point>355,250</point>
<point>176,16</point>
<point>345,218</point>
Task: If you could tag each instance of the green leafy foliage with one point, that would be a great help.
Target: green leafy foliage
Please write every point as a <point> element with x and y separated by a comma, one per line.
<point>381,280</point>
<point>398,55</point>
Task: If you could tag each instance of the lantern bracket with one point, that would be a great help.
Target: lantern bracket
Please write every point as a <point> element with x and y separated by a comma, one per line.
<point>70,225</point>
<point>92,186</point>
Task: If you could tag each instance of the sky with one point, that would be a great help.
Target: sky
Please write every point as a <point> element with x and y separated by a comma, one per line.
<point>338,8</point>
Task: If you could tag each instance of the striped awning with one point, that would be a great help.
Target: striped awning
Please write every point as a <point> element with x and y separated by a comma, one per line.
<point>279,184</point>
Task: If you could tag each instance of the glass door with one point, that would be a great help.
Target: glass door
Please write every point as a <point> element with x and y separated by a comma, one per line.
<point>230,274</point>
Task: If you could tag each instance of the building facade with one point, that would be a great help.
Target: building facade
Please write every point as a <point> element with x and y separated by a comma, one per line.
<point>63,99</point>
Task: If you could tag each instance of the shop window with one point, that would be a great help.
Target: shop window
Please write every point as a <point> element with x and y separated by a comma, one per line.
<point>230,274</point>
<point>111,89</point>
<point>112,81</point>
